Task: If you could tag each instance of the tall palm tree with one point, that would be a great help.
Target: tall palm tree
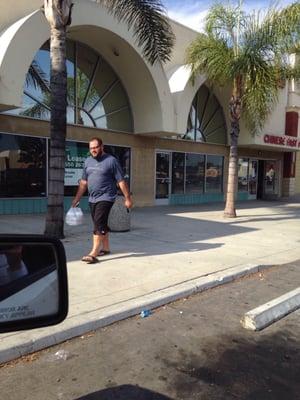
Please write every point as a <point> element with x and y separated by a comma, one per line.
<point>147,20</point>
<point>249,52</point>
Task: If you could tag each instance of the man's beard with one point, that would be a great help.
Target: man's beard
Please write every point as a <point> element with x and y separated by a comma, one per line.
<point>98,155</point>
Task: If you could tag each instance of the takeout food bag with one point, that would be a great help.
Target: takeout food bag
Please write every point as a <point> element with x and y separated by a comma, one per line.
<point>74,216</point>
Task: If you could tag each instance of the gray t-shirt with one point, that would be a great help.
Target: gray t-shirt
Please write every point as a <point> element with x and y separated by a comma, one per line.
<point>102,174</point>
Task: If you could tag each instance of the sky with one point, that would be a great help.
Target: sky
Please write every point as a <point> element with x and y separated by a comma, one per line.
<point>192,12</point>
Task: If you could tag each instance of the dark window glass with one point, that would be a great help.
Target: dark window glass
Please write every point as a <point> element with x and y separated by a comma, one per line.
<point>243,174</point>
<point>206,122</point>
<point>214,174</point>
<point>253,170</point>
<point>178,165</point>
<point>195,166</point>
<point>162,175</point>
<point>122,154</point>
<point>22,166</point>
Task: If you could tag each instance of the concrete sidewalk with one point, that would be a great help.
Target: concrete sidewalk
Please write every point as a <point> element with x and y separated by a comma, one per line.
<point>170,252</point>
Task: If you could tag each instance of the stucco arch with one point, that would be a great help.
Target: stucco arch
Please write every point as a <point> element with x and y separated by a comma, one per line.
<point>183,92</point>
<point>18,45</point>
<point>146,85</point>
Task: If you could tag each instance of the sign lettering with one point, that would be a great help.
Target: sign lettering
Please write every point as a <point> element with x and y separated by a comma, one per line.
<point>285,141</point>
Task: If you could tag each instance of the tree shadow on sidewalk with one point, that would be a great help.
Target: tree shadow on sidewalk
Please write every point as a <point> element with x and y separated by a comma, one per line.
<point>160,234</point>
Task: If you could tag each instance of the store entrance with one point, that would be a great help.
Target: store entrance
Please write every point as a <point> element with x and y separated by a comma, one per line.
<point>267,188</point>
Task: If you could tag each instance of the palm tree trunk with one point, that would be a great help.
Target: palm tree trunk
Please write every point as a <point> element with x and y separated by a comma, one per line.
<point>230,211</point>
<point>58,87</point>
<point>235,107</point>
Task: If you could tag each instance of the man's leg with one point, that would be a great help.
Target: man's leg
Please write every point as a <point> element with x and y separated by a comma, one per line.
<point>99,213</point>
<point>105,242</point>
<point>97,240</point>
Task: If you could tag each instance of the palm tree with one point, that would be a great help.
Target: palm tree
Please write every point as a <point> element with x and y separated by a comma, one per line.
<point>147,20</point>
<point>249,52</point>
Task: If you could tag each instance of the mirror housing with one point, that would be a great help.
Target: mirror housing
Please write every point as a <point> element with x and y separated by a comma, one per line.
<point>33,282</point>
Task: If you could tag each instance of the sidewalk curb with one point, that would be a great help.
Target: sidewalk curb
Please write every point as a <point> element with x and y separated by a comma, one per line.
<point>270,312</point>
<point>74,326</point>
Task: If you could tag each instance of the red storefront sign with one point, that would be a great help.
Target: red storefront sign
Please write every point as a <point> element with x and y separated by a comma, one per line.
<point>285,141</point>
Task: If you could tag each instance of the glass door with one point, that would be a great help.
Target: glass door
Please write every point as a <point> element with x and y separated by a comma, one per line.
<point>163,174</point>
<point>270,179</point>
<point>253,179</point>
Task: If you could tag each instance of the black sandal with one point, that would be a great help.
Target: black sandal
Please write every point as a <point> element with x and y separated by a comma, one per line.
<point>90,259</point>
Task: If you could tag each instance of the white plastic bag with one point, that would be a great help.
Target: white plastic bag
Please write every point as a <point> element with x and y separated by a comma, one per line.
<point>74,216</point>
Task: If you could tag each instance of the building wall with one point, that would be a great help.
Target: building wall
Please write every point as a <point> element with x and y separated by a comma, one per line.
<point>160,96</point>
<point>297,175</point>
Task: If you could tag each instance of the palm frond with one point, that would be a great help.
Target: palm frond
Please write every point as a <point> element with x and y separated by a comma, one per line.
<point>224,23</point>
<point>260,95</point>
<point>212,57</point>
<point>285,26</point>
<point>37,77</point>
<point>149,23</point>
<point>278,32</point>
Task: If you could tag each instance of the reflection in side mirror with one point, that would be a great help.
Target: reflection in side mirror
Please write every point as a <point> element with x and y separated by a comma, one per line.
<point>33,282</point>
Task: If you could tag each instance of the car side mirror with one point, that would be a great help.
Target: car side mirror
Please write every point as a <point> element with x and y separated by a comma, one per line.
<point>33,282</point>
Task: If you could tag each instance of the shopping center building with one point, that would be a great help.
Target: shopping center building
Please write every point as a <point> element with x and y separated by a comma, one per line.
<point>171,136</point>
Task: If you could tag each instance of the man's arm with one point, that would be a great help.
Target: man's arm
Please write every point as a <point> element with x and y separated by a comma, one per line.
<point>124,188</point>
<point>80,192</point>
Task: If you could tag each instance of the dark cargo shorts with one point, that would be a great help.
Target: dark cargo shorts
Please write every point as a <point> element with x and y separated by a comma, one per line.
<point>99,213</point>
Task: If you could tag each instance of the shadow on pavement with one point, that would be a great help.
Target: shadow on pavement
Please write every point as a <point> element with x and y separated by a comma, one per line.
<point>164,230</point>
<point>265,367</point>
<point>125,392</point>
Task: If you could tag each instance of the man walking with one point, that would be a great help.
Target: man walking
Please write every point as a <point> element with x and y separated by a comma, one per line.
<point>101,174</point>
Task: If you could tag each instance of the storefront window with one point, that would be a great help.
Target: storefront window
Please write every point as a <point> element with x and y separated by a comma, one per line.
<point>95,94</point>
<point>214,174</point>
<point>22,166</point>
<point>76,153</point>
<point>178,166</point>
<point>195,167</point>
<point>243,174</point>
<point>206,121</point>
<point>122,154</point>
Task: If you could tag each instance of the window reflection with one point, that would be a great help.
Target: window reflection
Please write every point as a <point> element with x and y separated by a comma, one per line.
<point>270,177</point>
<point>243,174</point>
<point>206,122</point>
<point>76,153</point>
<point>122,154</point>
<point>22,166</point>
<point>214,174</point>
<point>197,173</point>
<point>195,166</point>
<point>95,95</point>
<point>162,175</point>
<point>253,176</point>
<point>178,166</point>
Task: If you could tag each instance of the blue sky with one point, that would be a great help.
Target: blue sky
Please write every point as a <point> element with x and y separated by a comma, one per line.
<point>192,12</point>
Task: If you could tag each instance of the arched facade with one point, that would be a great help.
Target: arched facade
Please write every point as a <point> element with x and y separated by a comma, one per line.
<point>91,25</point>
<point>171,135</point>
<point>95,94</point>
